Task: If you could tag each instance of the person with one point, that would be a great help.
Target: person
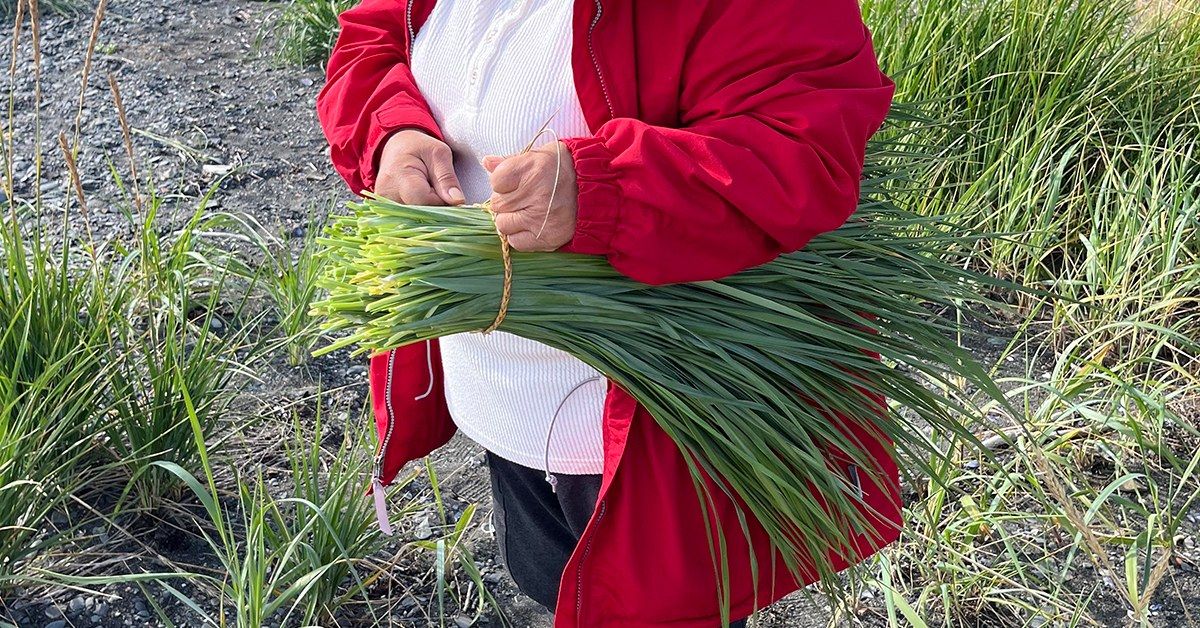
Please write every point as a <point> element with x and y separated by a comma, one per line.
<point>683,141</point>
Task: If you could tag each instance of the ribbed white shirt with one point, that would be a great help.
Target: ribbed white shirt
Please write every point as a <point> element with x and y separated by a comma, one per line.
<point>493,72</point>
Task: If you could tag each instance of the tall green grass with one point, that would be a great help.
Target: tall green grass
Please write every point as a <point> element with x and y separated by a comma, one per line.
<point>179,330</point>
<point>326,523</point>
<point>53,362</point>
<point>307,29</point>
<point>1073,128</point>
<point>286,275</point>
<point>8,8</point>
<point>1079,510</point>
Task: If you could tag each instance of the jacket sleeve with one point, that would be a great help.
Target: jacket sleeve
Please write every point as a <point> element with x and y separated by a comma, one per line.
<point>777,102</point>
<point>369,90</point>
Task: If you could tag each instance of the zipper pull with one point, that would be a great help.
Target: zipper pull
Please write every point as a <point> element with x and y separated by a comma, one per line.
<point>381,514</point>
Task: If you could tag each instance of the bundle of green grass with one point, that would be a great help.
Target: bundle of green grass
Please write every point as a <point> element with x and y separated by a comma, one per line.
<point>743,373</point>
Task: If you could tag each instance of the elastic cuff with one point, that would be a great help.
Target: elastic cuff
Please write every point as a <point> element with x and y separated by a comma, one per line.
<point>401,112</point>
<point>599,200</point>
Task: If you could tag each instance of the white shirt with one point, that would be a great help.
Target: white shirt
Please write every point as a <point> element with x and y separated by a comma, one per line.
<point>493,72</point>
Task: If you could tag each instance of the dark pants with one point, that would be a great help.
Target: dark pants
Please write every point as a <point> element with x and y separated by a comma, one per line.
<point>537,527</point>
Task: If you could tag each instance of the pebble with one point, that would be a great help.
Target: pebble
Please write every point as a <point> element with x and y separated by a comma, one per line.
<point>102,609</point>
<point>76,604</point>
<point>424,530</point>
<point>216,324</point>
<point>356,370</point>
<point>299,232</point>
<point>408,601</point>
<point>493,577</point>
<point>57,624</point>
<point>462,621</point>
<point>53,612</point>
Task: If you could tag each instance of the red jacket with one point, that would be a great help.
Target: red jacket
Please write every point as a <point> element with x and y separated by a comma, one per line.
<point>725,132</point>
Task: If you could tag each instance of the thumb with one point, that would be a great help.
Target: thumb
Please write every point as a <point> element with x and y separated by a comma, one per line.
<point>445,182</point>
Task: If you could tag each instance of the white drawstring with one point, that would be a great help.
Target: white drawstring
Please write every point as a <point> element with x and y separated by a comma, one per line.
<point>429,365</point>
<point>550,432</point>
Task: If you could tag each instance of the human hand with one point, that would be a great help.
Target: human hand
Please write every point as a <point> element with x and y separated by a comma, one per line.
<point>530,209</point>
<point>417,169</point>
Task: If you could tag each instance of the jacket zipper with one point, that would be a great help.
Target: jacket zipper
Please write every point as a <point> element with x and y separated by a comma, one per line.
<point>377,485</point>
<point>408,22</point>
<point>596,62</point>
<point>579,570</point>
<point>603,504</point>
<point>391,417</point>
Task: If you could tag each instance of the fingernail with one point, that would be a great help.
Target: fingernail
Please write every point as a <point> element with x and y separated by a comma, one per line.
<point>456,195</point>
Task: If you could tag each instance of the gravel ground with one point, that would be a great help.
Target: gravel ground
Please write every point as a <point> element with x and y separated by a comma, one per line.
<point>209,108</point>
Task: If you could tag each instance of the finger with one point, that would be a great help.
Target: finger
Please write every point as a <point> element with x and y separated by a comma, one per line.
<point>508,203</point>
<point>445,182</point>
<point>528,242</point>
<point>506,176</point>
<point>412,187</point>
<point>491,161</point>
<point>511,223</point>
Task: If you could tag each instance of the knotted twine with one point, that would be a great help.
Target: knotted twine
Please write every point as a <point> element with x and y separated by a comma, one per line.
<point>506,257</point>
<point>505,249</point>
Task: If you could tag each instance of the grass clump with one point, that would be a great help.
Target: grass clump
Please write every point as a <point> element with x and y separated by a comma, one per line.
<point>287,275</point>
<point>9,8</point>
<point>179,334</point>
<point>1074,129</point>
<point>53,362</point>
<point>307,29</point>
<point>326,525</point>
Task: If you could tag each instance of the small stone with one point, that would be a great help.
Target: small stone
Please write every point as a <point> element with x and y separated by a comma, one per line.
<point>408,601</point>
<point>102,609</point>
<point>53,612</point>
<point>462,621</point>
<point>424,530</point>
<point>216,324</point>
<point>971,465</point>
<point>307,82</point>
<point>219,170</point>
<point>299,232</point>
<point>356,370</point>
<point>76,604</point>
<point>57,624</point>
<point>96,619</point>
<point>493,577</point>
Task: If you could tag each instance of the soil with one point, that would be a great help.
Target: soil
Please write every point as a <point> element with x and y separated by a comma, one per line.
<point>212,108</point>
